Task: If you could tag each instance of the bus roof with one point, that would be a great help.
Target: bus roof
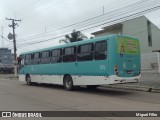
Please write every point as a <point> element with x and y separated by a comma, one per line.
<point>77,43</point>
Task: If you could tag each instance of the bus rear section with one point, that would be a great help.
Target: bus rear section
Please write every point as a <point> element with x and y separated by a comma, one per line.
<point>126,64</point>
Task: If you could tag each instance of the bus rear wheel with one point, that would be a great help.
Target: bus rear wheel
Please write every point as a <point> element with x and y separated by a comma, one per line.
<point>68,83</point>
<point>28,80</point>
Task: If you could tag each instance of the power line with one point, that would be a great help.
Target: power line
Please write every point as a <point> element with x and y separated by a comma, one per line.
<point>31,7</point>
<point>131,35</point>
<point>50,5</point>
<point>87,20</point>
<point>122,15</point>
<point>90,23</point>
<point>92,11</point>
<point>113,5</point>
<point>62,35</point>
<point>32,43</point>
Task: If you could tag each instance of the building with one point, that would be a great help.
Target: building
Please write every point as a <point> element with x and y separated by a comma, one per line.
<point>6,60</point>
<point>142,28</point>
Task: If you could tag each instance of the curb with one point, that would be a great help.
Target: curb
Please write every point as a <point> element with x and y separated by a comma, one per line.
<point>134,87</point>
<point>13,78</point>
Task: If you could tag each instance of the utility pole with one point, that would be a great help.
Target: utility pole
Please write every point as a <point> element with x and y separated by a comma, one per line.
<point>14,43</point>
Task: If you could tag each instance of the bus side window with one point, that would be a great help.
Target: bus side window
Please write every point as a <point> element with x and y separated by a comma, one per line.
<point>85,52</point>
<point>56,56</point>
<point>45,57</point>
<point>100,50</point>
<point>28,59</point>
<point>36,58</point>
<point>69,54</point>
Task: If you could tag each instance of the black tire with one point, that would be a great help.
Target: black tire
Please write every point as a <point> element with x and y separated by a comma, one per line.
<point>28,80</point>
<point>68,83</point>
<point>92,87</point>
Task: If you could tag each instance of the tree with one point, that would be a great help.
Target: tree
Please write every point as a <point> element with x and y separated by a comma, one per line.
<point>74,37</point>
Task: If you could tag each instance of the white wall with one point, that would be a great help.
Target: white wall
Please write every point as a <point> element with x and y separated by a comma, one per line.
<point>138,28</point>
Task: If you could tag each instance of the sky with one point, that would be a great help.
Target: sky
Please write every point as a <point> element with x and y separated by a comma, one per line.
<point>41,19</point>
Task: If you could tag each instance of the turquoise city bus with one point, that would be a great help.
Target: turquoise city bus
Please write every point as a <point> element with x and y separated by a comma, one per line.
<point>103,60</point>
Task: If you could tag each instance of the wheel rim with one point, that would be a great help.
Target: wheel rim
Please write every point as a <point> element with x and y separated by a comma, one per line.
<point>28,80</point>
<point>68,83</point>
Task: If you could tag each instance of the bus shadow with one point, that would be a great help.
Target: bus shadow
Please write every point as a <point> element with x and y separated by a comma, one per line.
<point>106,91</point>
<point>50,86</point>
<point>99,91</point>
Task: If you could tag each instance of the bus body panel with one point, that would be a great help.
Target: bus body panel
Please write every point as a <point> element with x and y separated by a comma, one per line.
<point>128,56</point>
<point>99,68</point>
<point>127,65</point>
<point>96,72</point>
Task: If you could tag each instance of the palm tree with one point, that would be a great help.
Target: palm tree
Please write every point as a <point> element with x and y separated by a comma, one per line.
<point>74,37</point>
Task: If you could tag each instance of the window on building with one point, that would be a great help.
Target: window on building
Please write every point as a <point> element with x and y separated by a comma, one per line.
<point>36,58</point>
<point>28,59</point>
<point>149,34</point>
<point>69,54</point>
<point>56,56</point>
<point>100,50</point>
<point>45,57</point>
<point>85,52</point>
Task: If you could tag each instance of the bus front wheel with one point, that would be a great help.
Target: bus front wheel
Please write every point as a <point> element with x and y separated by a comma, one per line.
<point>68,83</point>
<point>28,80</point>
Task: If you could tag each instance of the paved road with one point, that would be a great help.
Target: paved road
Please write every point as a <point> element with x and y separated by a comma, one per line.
<point>19,97</point>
